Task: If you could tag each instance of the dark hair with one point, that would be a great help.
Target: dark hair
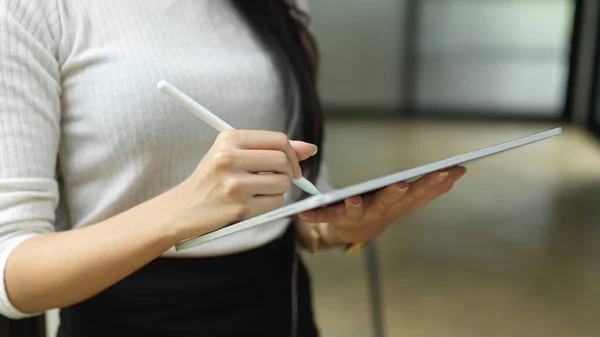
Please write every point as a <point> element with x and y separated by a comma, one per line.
<point>283,29</point>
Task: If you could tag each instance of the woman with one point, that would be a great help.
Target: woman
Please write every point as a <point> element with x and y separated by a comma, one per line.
<point>100,175</point>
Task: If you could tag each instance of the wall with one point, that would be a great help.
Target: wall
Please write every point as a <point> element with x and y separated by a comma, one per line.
<point>361,49</point>
<point>510,55</point>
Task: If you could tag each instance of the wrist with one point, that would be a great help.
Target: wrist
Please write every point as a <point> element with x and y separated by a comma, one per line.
<point>167,217</point>
<point>185,216</point>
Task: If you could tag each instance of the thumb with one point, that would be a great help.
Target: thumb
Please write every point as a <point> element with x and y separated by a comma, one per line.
<point>304,150</point>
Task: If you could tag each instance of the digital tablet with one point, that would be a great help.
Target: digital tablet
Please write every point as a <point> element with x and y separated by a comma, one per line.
<point>364,187</point>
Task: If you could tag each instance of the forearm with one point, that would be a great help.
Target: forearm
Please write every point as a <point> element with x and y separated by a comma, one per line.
<point>59,269</point>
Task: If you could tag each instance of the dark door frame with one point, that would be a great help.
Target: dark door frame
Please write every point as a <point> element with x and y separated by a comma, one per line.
<point>593,118</point>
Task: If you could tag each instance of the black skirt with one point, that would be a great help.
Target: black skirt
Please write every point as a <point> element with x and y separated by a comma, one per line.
<point>245,294</point>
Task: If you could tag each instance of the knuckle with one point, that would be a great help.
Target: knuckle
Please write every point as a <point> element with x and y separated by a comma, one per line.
<point>282,183</point>
<point>286,181</point>
<point>233,187</point>
<point>226,135</point>
<point>224,160</point>
<point>281,139</point>
<point>281,160</point>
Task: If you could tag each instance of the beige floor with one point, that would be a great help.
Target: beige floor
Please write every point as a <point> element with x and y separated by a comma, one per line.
<point>513,250</point>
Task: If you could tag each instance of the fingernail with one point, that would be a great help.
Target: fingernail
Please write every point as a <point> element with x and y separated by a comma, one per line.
<point>356,203</point>
<point>402,189</point>
<point>442,176</point>
<point>302,216</point>
<point>315,149</point>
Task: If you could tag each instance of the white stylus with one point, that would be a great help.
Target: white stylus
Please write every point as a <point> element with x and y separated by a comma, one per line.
<point>217,123</point>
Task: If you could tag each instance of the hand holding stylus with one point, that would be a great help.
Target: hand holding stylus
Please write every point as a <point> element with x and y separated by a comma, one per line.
<point>226,186</point>
<point>218,124</point>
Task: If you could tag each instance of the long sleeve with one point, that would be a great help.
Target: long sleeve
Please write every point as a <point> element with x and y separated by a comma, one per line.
<point>29,126</point>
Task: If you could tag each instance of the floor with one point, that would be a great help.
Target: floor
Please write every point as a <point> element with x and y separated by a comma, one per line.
<point>513,250</point>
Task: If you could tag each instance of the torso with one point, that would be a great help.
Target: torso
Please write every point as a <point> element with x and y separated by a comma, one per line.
<point>122,141</point>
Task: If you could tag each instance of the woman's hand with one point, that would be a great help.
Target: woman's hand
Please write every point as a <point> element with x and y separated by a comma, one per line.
<point>360,219</point>
<point>226,186</point>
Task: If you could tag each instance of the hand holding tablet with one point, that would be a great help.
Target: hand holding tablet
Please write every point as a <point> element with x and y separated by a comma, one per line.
<point>360,219</point>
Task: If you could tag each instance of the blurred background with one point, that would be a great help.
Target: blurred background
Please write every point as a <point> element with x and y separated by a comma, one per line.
<point>514,249</point>
<point>469,57</point>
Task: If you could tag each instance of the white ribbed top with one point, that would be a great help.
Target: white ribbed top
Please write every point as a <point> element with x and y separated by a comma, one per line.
<point>85,134</point>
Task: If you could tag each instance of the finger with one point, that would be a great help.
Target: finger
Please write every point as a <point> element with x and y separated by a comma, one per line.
<point>354,208</point>
<point>304,150</point>
<point>269,184</point>
<point>257,184</point>
<point>263,140</point>
<point>428,198</point>
<point>264,203</point>
<point>387,197</point>
<point>337,211</point>
<point>422,186</point>
<point>257,161</point>
<point>443,188</point>
<point>417,201</point>
<point>324,214</point>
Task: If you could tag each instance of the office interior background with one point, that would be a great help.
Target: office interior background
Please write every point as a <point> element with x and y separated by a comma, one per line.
<point>513,249</point>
